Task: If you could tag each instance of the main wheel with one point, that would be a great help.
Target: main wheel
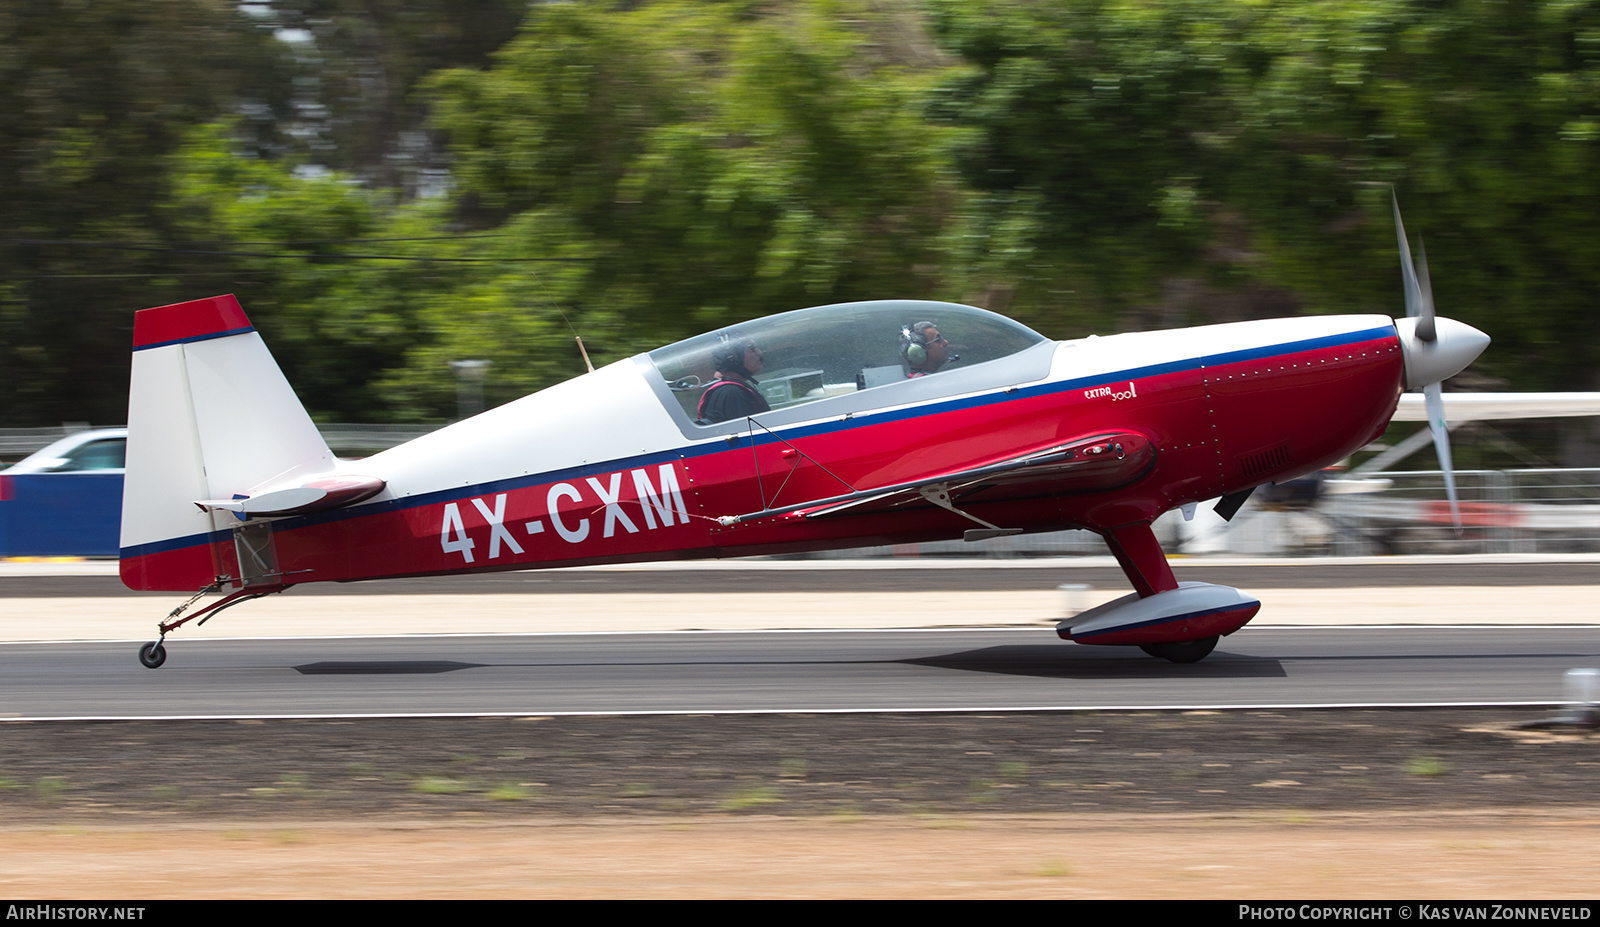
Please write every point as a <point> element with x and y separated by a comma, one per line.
<point>153,654</point>
<point>1182,651</point>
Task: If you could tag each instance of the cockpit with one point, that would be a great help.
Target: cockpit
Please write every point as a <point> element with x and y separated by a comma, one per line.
<point>852,356</point>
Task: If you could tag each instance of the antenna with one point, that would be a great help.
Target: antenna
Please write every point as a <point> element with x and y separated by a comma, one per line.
<point>575,336</point>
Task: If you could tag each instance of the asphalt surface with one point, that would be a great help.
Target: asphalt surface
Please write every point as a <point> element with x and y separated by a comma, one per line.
<point>785,672</point>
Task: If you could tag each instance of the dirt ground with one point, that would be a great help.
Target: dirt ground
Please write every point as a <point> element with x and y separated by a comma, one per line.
<point>1422,803</point>
<point>1400,856</point>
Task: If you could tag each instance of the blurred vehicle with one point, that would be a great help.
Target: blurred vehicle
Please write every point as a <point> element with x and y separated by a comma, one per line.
<point>65,499</point>
<point>97,449</point>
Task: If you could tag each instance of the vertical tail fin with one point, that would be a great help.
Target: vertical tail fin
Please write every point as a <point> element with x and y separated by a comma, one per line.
<point>210,416</point>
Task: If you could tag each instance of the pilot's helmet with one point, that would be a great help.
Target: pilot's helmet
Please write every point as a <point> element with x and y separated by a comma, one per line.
<point>728,355</point>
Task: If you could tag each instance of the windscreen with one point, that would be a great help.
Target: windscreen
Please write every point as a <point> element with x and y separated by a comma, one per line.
<point>813,354</point>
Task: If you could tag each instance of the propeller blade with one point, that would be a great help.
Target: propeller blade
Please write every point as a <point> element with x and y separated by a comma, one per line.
<point>1433,398</point>
<point>1425,327</point>
<point>1430,359</point>
<point>1408,271</point>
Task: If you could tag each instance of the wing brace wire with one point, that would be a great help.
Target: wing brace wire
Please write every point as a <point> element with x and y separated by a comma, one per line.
<point>756,458</point>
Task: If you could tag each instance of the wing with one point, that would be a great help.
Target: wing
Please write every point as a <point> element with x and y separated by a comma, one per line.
<point>1091,463</point>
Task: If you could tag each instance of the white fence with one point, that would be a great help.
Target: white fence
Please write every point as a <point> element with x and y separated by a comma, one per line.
<point>1397,512</point>
<point>1503,511</point>
<point>17,443</point>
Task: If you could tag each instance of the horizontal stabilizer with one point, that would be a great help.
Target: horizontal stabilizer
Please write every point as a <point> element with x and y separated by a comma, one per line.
<point>315,496</point>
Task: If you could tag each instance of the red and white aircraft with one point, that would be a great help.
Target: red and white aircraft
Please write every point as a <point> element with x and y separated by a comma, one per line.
<point>859,436</point>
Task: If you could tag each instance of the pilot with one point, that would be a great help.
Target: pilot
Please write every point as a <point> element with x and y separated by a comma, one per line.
<point>922,349</point>
<point>733,393</point>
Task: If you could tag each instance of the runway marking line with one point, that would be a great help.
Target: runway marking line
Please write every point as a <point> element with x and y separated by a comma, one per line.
<point>1029,629</point>
<point>779,711</point>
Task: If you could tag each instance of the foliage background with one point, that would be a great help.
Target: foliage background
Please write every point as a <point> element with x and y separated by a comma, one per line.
<point>392,185</point>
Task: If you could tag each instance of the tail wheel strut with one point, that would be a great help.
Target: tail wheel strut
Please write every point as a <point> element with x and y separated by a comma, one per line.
<point>153,654</point>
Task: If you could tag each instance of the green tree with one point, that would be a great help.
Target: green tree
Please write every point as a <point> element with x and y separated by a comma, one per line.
<point>332,273</point>
<point>1202,160</point>
<point>1089,145</point>
<point>719,161</point>
<point>356,65</point>
<point>1483,117</point>
<point>365,300</point>
<point>94,97</point>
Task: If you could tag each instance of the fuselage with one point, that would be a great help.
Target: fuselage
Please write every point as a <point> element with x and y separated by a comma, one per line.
<point>606,468</point>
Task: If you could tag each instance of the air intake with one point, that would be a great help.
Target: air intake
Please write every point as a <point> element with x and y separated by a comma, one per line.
<point>1263,462</point>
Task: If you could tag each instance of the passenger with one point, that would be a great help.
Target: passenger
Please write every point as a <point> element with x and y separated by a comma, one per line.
<point>922,349</point>
<point>733,393</point>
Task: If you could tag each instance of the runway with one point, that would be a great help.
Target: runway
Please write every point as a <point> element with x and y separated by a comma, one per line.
<point>98,578</point>
<point>832,671</point>
<point>86,602</point>
<point>795,636</point>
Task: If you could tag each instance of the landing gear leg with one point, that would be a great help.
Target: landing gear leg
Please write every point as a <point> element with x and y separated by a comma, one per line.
<point>1139,554</point>
<point>1182,651</point>
<point>1167,620</point>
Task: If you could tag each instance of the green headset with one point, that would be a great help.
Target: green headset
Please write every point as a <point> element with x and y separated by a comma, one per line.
<point>914,343</point>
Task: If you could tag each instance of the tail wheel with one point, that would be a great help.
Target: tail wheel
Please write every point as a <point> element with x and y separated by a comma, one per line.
<point>1182,651</point>
<point>153,654</point>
